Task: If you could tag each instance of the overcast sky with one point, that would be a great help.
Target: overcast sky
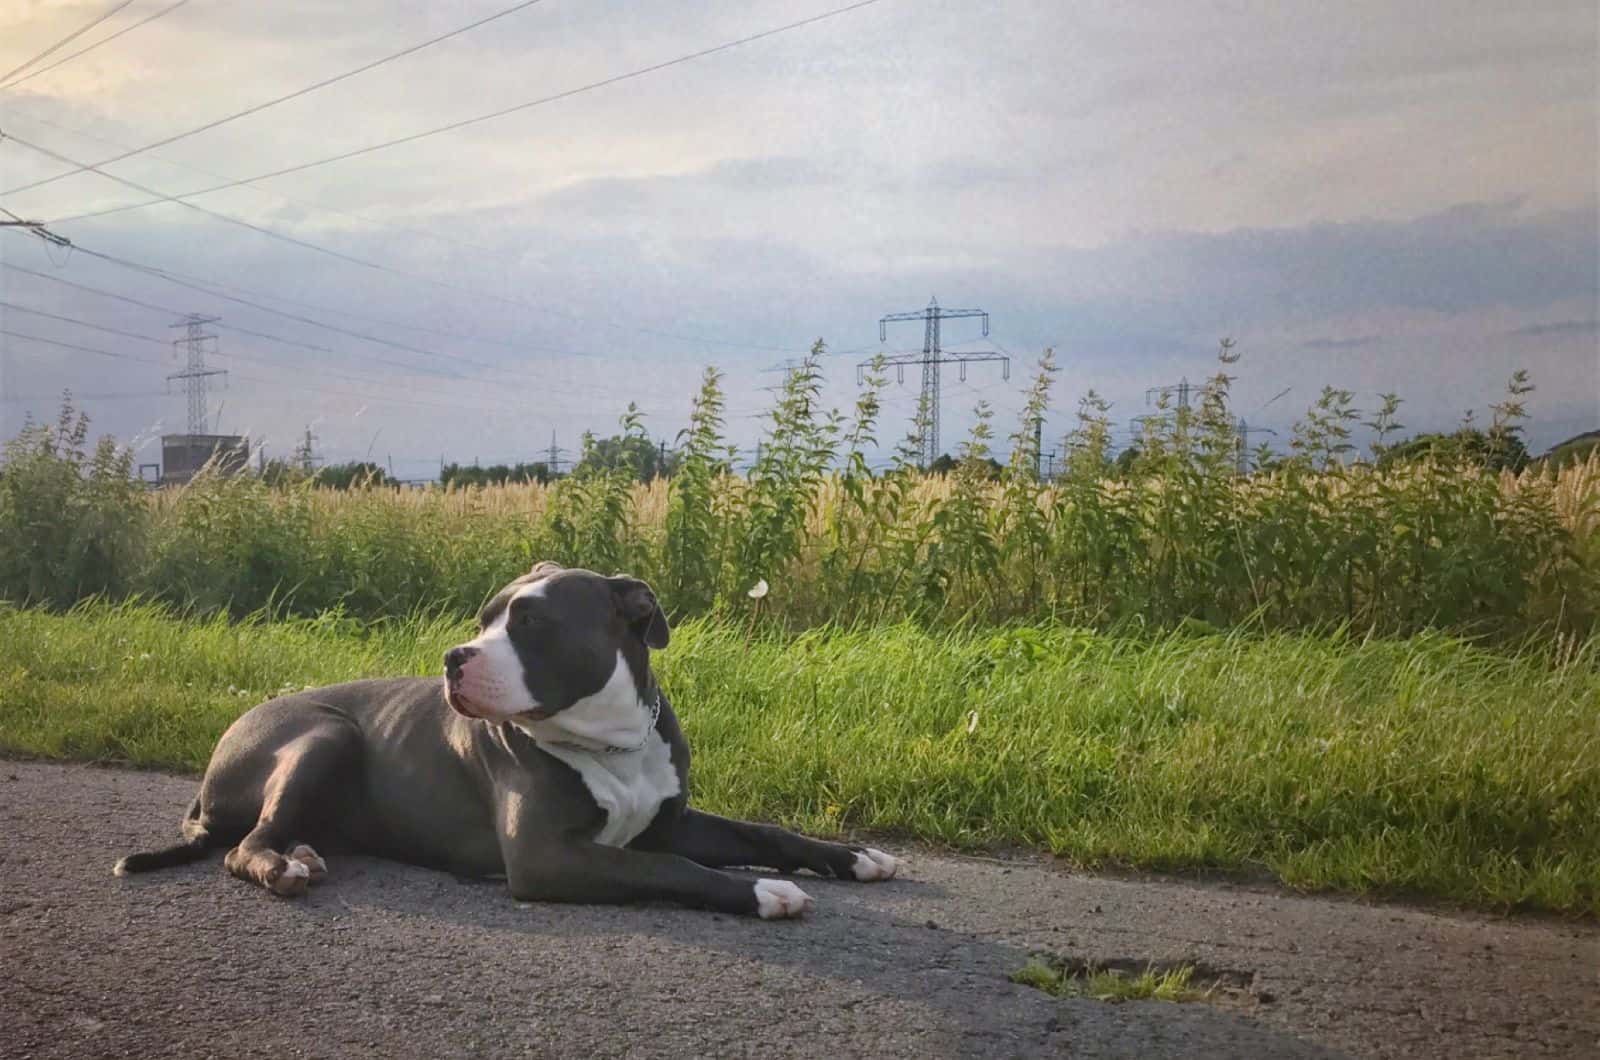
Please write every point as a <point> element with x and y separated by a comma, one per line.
<point>1375,195</point>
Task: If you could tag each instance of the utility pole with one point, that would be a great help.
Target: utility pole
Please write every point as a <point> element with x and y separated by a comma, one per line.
<point>553,459</point>
<point>36,227</point>
<point>305,454</point>
<point>931,357</point>
<point>785,366</point>
<point>1183,388</point>
<point>1244,431</point>
<point>195,374</point>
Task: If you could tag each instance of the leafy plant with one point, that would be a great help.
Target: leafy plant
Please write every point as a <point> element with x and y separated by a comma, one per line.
<point>591,508</point>
<point>796,452</point>
<point>694,540</point>
<point>72,519</point>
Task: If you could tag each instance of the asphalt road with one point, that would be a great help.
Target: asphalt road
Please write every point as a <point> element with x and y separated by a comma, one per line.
<point>385,960</point>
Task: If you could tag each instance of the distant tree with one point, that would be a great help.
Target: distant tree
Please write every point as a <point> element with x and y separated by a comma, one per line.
<point>1496,452</point>
<point>1500,448</point>
<point>1574,450</point>
<point>621,452</point>
<point>944,464</point>
<point>495,474</point>
<point>281,473</point>
<point>356,474</point>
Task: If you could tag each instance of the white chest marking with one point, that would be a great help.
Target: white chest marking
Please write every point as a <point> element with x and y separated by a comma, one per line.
<point>628,786</point>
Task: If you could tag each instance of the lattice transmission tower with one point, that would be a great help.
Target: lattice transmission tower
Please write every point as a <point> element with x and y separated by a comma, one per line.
<point>553,458</point>
<point>931,357</point>
<point>195,343</point>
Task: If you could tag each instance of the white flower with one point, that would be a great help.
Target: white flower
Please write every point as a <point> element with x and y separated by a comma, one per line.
<point>972,722</point>
<point>758,590</point>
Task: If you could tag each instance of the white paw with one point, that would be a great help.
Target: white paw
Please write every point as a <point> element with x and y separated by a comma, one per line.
<point>311,860</point>
<point>875,865</point>
<point>780,898</point>
<point>292,880</point>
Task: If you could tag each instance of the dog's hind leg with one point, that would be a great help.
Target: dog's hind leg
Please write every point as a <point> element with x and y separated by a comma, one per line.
<point>305,766</point>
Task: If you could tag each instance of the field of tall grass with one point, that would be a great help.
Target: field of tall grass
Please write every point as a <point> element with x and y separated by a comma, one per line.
<point>1176,535</point>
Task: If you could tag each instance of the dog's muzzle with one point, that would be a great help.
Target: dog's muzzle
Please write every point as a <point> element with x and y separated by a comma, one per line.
<point>455,660</point>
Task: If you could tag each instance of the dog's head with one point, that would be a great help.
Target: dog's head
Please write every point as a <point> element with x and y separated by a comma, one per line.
<point>553,638</point>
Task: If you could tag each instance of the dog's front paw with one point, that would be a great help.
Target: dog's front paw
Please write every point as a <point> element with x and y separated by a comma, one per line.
<point>875,865</point>
<point>780,898</point>
<point>288,879</point>
<point>316,868</point>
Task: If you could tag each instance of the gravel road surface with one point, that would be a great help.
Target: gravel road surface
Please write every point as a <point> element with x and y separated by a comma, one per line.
<point>384,960</point>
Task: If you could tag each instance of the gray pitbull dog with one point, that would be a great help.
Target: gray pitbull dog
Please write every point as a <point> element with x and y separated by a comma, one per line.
<point>547,755</point>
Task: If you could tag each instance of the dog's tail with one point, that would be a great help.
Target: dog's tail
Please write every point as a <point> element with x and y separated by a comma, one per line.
<point>196,844</point>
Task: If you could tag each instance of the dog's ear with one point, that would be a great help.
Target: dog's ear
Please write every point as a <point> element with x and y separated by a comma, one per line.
<point>544,568</point>
<point>639,607</point>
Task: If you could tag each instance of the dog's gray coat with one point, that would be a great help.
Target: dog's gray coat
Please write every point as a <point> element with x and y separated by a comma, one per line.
<point>509,766</point>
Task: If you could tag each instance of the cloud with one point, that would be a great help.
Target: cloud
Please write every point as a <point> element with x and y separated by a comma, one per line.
<point>1316,179</point>
<point>1462,258</point>
<point>1559,327</point>
<point>1341,344</point>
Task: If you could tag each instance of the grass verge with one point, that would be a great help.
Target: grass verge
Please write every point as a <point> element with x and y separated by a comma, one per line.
<point>1422,766</point>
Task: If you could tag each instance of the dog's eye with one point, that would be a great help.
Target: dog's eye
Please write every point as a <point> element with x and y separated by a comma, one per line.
<point>524,619</point>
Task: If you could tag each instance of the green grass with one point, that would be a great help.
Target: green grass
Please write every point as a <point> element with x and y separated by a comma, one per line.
<point>1106,984</point>
<point>1425,766</point>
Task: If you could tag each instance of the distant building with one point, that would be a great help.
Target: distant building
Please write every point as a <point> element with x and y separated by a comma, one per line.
<point>183,455</point>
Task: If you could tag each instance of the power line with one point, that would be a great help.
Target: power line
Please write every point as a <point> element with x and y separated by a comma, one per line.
<point>168,311</point>
<point>228,218</point>
<point>296,94</point>
<point>306,203</point>
<point>426,233</point>
<point>91,290</point>
<point>68,39</point>
<point>340,255</point>
<point>161,274</point>
<point>82,323</point>
<point>76,396</point>
<point>406,401</point>
<point>163,343</point>
<point>89,48</point>
<point>504,111</point>
<point>195,284</point>
<point>52,237</point>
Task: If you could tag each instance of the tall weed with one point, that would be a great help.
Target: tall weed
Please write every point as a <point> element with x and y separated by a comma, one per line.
<point>1181,533</point>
